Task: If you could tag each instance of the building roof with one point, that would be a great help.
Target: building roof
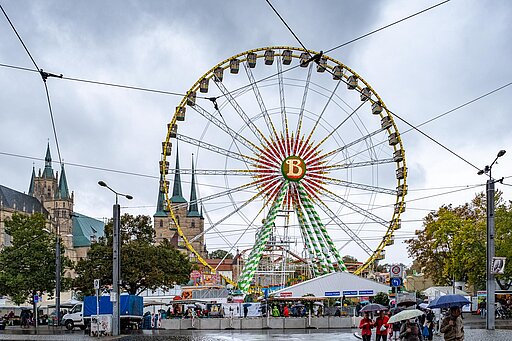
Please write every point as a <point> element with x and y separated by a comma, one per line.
<point>160,204</point>
<point>18,201</point>
<point>335,284</point>
<point>32,181</point>
<point>193,210</point>
<point>86,228</point>
<point>440,291</point>
<point>63,192</point>
<point>48,170</point>
<point>177,195</point>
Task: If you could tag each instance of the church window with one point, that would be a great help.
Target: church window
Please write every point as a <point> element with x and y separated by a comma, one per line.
<point>161,225</point>
<point>193,224</point>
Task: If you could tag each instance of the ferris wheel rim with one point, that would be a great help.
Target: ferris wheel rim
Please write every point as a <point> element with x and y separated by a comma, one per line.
<point>400,201</point>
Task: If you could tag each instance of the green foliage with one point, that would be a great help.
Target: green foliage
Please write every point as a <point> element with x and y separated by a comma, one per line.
<point>349,259</point>
<point>381,298</point>
<point>143,264</point>
<point>452,243</point>
<point>219,254</point>
<point>28,265</point>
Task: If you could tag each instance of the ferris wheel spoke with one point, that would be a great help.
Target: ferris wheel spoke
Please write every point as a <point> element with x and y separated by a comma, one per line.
<point>261,240</point>
<point>339,125</point>
<point>344,227</point>
<point>223,126</point>
<point>221,235</point>
<point>359,164</point>
<point>259,99</point>
<point>356,208</point>
<point>302,106</point>
<point>322,113</point>
<point>244,158</point>
<point>348,145</point>
<point>282,103</point>
<point>242,234</point>
<point>230,172</point>
<point>219,194</point>
<point>248,122</point>
<point>220,221</point>
<point>343,183</point>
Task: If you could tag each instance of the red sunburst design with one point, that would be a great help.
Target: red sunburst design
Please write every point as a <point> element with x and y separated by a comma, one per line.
<point>271,158</point>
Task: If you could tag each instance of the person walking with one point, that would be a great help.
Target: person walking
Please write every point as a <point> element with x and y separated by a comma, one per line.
<point>246,310</point>
<point>452,326</point>
<point>275,311</point>
<point>381,326</point>
<point>411,331</point>
<point>366,325</point>
<point>286,311</point>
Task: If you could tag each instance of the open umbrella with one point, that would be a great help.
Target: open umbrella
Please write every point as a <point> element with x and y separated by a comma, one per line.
<point>423,305</point>
<point>448,301</point>
<point>373,307</point>
<point>406,303</point>
<point>405,315</point>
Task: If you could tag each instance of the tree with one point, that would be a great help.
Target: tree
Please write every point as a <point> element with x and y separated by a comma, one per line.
<point>452,244</point>
<point>28,265</point>
<point>220,254</point>
<point>349,259</point>
<point>143,264</point>
<point>381,298</point>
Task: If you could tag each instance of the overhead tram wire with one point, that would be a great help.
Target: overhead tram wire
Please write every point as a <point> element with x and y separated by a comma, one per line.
<point>44,76</point>
<point>387,26</point>
<point>238,89</point>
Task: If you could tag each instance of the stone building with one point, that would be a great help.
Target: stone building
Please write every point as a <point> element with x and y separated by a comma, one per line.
<point>49,194</point>
<point>188,215</point>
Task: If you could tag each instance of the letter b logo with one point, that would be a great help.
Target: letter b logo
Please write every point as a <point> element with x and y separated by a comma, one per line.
<point>293,168</point>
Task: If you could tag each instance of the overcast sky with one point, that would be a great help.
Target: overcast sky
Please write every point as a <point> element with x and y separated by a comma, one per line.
<point>421,68</point>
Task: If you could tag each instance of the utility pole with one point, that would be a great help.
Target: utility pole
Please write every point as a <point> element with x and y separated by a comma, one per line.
<point>491,282</point>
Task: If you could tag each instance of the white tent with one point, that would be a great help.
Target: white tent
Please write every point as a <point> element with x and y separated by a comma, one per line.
<point>335,284</point>
<point>441,291</point>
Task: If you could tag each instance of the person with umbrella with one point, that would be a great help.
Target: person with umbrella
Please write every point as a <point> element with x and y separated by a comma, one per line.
<point>411,331</point>
<point>366,325</point>
<point>381,326</point>
<point>452,327</point>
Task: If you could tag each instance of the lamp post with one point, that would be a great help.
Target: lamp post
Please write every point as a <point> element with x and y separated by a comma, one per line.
<point>116,260</point>
<point>491,285</point>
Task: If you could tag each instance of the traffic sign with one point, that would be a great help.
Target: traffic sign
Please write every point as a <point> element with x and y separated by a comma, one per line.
<point>36,298</point>
<point>396,282</point>
<point>397,271</point>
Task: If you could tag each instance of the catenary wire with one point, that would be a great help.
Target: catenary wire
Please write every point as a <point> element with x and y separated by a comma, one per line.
<point>44,76</point>
<point>387,26</point>
<point>208,98</point>
<point>286,24</point>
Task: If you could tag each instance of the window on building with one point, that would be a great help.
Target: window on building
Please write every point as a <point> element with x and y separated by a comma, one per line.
<point>161,224</point>
<point>193,224</point>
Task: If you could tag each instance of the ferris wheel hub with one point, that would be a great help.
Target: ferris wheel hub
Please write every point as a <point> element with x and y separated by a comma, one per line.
<point>293,168</point>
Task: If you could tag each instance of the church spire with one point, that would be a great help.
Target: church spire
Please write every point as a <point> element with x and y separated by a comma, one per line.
<point>192,208</point>
<point>32,181</point>
<point>48,171</point>
<point>63,185</point>
<point>177,196</point>
<point>160,205</point>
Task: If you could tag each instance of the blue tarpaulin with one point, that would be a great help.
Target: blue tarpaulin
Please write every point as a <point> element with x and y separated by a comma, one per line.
<point>129,305</point>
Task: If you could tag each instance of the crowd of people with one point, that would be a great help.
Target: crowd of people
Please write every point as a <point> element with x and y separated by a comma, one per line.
<point>420,328</point>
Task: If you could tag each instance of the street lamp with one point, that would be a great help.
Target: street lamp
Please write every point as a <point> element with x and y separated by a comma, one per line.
<point>491,285</point>
<point>116,260</point>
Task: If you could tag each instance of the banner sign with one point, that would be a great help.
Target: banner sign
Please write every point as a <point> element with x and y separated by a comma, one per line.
<point>349,292</point>
<point>332,293</point>
<point>365,292</point>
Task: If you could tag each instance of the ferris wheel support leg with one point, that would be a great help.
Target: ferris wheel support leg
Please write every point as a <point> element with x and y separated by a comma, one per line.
<point>261,240</point>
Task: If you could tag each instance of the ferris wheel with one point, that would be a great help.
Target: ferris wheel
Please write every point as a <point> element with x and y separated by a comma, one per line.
<point>287,132</point>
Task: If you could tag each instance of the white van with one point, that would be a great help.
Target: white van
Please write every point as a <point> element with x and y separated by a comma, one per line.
<point>74,318</point>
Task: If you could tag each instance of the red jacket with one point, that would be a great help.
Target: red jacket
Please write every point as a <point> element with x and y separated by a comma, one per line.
<point>379,322</point>
<point>366,326</point>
